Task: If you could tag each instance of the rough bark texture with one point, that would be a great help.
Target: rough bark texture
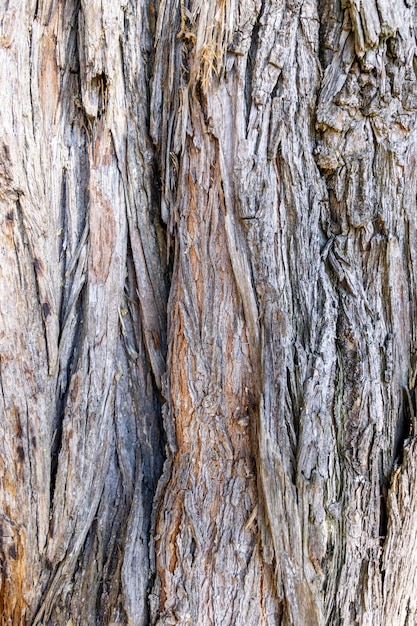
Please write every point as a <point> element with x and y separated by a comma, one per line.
<point>208,310</point>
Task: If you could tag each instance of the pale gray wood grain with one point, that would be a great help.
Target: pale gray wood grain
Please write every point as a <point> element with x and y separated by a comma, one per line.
<point>207,313</point>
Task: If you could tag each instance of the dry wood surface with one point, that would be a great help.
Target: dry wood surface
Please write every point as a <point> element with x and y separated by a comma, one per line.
<point>208,313</point>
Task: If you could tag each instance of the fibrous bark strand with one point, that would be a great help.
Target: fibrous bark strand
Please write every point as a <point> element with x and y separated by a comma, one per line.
<point>207,312</point>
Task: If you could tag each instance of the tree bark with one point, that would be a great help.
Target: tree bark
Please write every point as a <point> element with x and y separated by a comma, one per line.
<point>208,313</point>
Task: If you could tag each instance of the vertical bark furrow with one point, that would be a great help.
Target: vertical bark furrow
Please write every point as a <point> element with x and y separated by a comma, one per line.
<point>68,171</point>
<point>368,258</point>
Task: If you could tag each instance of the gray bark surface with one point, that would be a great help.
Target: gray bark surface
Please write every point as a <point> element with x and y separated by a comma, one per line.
<point>208,313</point>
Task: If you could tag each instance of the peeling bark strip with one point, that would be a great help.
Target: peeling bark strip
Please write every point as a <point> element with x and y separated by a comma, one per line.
<point>208,313</point>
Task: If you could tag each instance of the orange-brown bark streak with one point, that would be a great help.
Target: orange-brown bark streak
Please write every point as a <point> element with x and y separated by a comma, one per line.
<point>209,381</point>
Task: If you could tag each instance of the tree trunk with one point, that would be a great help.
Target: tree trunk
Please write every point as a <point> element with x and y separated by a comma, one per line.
<point>208,336</point>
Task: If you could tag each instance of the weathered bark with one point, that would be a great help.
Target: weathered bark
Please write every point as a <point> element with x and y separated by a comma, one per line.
<point>208,312</point>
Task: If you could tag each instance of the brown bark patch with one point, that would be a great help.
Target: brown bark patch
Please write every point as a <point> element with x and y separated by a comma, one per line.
<point>49,85</point>
<point>102,235</point>
<point>12,572</point>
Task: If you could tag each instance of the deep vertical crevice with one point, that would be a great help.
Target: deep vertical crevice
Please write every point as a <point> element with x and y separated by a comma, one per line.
<point>250,64</point>
<point>63,241</point>
<point>63,385</point>
<point>403,426</point>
